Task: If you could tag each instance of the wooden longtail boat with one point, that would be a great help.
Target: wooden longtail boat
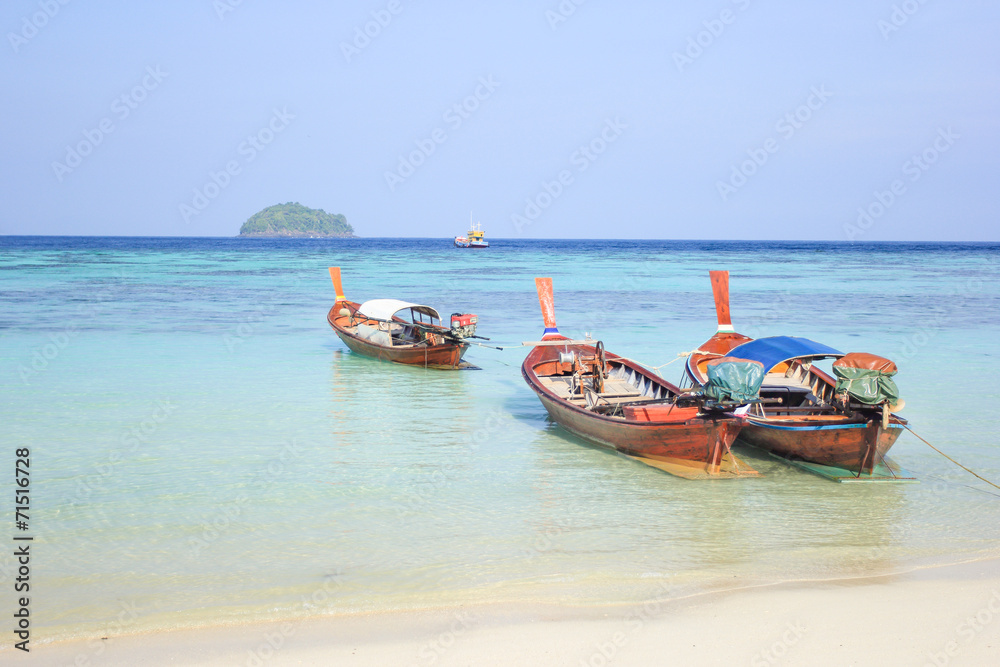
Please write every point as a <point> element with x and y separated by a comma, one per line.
<point>616,403</point>
<point>805,416</point>
<point>377,329</point>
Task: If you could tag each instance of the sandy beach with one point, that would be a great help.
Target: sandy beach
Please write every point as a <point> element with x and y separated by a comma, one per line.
<point>936,616</point>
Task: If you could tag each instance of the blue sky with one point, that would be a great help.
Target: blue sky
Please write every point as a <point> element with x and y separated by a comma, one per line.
<point>723,119</point>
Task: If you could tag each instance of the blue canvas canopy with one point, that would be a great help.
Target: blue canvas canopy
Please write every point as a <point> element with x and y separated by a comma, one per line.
<point>776,349</point>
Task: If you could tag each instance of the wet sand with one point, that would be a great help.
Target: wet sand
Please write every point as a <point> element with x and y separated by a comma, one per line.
<point>936,616</point>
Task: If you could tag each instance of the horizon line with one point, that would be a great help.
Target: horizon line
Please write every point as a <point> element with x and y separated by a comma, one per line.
<point>527,238</point>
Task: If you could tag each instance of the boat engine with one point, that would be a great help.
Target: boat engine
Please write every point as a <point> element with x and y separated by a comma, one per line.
<point>463,325</point>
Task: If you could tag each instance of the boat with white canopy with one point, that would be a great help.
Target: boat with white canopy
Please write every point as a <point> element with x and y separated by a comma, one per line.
<point>400,331</point>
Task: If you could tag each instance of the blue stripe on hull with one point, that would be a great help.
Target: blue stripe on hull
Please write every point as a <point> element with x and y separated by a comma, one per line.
<point>776,427</point>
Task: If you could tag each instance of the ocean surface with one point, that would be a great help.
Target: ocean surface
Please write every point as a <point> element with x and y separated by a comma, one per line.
<point>205,450</point>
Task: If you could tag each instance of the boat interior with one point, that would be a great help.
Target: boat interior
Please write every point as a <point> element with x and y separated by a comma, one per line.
<point>796,388</point>
<point>792,388</point>
<point>577,379</point>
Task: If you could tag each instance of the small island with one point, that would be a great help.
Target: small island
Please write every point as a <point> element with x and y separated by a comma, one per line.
<point>295,220</point>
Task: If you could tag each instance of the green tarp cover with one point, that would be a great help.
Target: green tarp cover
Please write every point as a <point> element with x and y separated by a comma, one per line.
<point>866,385</point>
<point>736,380</point>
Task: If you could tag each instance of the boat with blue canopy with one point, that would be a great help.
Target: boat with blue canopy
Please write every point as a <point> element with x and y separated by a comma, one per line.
<point>782,349</point>
<point>839,426</point>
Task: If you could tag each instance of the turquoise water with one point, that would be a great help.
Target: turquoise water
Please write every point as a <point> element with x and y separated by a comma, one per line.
<point>205,450</point>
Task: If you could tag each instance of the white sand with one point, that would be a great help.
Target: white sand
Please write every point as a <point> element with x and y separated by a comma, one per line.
<point>941,616</point>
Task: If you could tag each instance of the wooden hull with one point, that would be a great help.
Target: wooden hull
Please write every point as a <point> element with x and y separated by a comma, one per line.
<point>447,356</point>
<point>716,346</point>
<point>857,446</point>
<point>700,439</point>
<point>853,443</point>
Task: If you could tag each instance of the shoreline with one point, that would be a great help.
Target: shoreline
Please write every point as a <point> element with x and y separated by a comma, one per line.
<point>931,615</point>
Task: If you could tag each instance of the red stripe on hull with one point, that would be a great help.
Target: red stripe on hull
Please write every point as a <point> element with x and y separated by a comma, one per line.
<point>700,439</point>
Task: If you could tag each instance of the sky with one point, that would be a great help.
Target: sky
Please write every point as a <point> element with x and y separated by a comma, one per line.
<point>860,120</point>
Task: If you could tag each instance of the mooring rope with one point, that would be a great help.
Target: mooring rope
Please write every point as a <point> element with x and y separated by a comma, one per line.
<point>656,369</point>
<point>906,426</point>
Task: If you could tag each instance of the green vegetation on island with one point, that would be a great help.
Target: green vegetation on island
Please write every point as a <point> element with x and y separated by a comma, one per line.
<point>295,220</point>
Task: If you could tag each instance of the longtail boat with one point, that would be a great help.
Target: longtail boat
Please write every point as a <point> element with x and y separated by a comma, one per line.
<point>399,331</point>
<point>839,428</point>
<point>618,404</point>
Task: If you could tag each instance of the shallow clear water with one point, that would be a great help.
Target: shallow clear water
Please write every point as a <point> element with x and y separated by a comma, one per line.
<point>205,449</point>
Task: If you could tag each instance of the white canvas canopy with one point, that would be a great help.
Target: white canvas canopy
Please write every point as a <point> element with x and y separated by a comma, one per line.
<point>384,309</point>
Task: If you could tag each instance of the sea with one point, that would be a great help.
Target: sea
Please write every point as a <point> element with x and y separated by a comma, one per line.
<point>203,449</point>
